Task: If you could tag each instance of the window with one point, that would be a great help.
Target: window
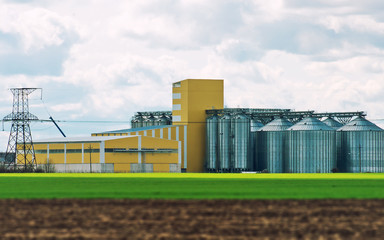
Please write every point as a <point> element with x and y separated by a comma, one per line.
<point>176,107</point>
<point>176,95</point>
<point>40,151</point>
<point>73,150</point>
<point>176,118</point>
<point>177,85</point>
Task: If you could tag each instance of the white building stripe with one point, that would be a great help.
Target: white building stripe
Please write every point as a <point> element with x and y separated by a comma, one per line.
<point>185,146</point>
<point>153,133</point>
<point>177,133</point>
<point>145,133</point>
<point>102,152</point>
<point>169,133</point>
<point>161,132</point>
<point>179,154</point>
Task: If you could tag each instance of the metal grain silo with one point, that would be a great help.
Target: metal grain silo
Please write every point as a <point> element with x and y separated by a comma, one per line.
<point>240,125</point>
<point>212,143</point>
<point>137,121</point>
<point>271,139</point>
<point>255,124</point>
<point>311,147</point>
<point>149,121</point>
<point>225,142</point>
<point>332,123</point>
<point>254,146</point>
<point>161,120</point>
<point>361,147</point>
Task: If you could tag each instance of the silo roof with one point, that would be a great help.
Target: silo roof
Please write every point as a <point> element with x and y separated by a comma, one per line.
<point>332,123</point>
<point>310,124</point>
<point>279,124</point>
<point>360,124</point>
<point>257,123</point>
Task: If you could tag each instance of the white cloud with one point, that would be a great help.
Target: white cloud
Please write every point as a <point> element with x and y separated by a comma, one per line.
<point>359,23</point>
<point>36,27</point>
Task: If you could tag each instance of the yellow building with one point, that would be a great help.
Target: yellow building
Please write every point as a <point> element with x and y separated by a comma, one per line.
<point>190,99</point>
<point>110,154</point>
<point>165,148</point>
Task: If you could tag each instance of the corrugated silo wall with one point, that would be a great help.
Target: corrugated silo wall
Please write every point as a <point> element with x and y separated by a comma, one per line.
<point>272,147</point>
<point>310,151</point>
<point>212,144</point>
<point>224,128</point>
<point>361,151</point>
<point>240,126</point>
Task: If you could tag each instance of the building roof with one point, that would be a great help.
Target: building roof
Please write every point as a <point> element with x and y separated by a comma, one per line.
<point>80,139</point>
<point>137,129</point>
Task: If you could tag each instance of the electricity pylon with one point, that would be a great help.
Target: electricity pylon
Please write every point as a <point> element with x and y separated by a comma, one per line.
<point>20,151</point>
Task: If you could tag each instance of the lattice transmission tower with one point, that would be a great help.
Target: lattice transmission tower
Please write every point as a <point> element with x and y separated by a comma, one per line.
<point>20,151</point>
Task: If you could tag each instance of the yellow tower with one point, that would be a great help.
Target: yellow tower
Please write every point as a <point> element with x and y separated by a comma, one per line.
<point>191,97</point>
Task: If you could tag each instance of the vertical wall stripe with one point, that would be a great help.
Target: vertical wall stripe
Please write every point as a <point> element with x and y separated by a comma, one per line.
<point>82,153</point>
<point>161,132</point>
<point>169,133</point>
<point>153,133</point>
<point>177,133</point>
<point>65,153</point>
<point>139,148</point>
<point>185,146</point>
<point>47,153</point>
<point>145,133</point>
<point>137,133</point>
<point>102,152</point>
<point>179,154</point>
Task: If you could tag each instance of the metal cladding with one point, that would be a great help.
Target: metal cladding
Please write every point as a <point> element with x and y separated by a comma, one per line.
<point>271,140</point>
<point>212,143</point>
<point>311,147</point>
<point>332,123</point>
<point>254,151</point>
<point>361,147</point>
<point>149,121</point>
<point>240,125</point>
<point>137,121</point>
<point>161,120</point>
<point>224,143</point>
<point>255,125</point>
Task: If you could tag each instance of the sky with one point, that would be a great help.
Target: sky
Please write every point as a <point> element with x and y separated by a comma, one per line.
<point>98,62</point>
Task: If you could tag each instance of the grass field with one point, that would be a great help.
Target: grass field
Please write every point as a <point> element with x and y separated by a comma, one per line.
<point>193,186</point>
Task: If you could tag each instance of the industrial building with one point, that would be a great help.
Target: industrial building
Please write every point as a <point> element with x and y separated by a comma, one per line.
<point>200,135</point>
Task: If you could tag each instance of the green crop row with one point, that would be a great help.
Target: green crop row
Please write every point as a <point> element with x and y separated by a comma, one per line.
<point>193,186</point>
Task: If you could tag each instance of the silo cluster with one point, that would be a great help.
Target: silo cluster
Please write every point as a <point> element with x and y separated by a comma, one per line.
<point>146,119</point>
<point>228,143</point>
<point>238,142</point>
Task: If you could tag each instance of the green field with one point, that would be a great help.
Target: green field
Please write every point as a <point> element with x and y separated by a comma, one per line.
<point>192,186</point>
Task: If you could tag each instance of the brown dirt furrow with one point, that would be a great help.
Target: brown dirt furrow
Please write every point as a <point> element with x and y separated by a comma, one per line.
<point>191,219</point>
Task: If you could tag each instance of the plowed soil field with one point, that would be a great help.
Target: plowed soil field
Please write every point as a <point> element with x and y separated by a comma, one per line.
<point>191,219</point>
